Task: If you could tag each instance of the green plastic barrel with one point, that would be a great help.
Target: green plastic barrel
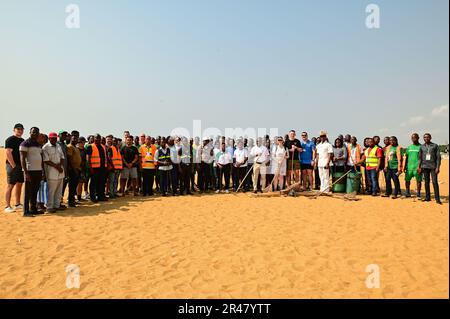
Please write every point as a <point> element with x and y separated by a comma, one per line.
<point>340,186</point>
<point>353,182</point>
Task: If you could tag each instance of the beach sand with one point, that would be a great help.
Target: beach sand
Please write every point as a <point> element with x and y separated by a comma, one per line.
<point>229,246</point>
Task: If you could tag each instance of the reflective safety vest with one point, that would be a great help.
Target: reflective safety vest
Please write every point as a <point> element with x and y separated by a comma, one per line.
<point>163,155</point>
<point>116,158</point>
<point>397,154</point>
<point>371,158</point>
<point>95,156</point>
<point>185,154</point>
<point>147,156</point>
<point>357,153</point>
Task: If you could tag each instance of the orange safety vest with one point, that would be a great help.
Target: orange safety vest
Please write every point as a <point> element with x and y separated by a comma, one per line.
<point>357,153</point>
<point>399,156</point>
<point>116,158</point>
<point>147,156</point>
<point>95,156</point>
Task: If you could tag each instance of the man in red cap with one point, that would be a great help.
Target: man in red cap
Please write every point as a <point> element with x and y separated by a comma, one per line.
<point>53,157</point>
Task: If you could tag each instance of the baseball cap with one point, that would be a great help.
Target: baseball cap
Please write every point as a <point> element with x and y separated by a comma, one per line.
<point>62,132</point>
<point>52,135</point>
<point>18,125</point>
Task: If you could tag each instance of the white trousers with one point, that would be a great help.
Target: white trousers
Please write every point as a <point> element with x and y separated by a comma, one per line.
<point>324,174</point>
<point>54,193</point>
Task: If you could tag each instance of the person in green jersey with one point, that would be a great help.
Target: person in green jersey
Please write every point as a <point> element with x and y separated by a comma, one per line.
<point>393,168</point>
<point>411,167</point>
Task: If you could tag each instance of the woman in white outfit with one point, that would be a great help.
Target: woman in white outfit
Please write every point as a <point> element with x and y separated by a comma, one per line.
<point>278,167</point>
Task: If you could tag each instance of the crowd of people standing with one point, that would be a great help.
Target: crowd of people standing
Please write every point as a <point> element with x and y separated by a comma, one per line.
<point>101,168</point>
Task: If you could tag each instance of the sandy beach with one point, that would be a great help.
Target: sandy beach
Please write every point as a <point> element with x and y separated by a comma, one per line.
<point>229,246</point>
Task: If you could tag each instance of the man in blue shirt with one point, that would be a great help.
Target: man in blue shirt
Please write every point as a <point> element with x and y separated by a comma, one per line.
<point>307,157</point>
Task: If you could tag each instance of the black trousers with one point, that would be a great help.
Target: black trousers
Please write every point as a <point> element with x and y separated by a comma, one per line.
<point>74,177</point>
<point>175,178</point>
<point>98,182</point>
<point>185,177</point>
<point>223,173</point>
<point>148,178</point>
<point>194,169</point>
<point>204,176</point>
<point>427,173</point>
<point>248,184</point>
<point>316,179</point>
<point>31,191</point>
<point>239,176</point>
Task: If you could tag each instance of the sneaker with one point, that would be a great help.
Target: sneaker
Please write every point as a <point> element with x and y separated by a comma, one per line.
<point>72,205</point>
<point>28,215</point>
<point>394,197</point>
<point>407,194</point>
<point>227,191</point>
<point>86,197</point>
<point>9,210</point>
<point>18,207</point>
<point>217,191</point>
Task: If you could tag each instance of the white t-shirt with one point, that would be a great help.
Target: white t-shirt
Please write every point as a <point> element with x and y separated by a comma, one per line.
<point>223,158</point>
<point>240,155</point>
<point>206,154</point>
<point>261,154</point>
<point>54,154</point>
<point>324,152</point>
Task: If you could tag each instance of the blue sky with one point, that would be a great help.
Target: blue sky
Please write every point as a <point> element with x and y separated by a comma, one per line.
<point>151,66</point>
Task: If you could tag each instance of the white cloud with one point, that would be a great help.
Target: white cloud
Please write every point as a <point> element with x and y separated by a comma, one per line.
<point>441,110</point>
<point>434,122</point>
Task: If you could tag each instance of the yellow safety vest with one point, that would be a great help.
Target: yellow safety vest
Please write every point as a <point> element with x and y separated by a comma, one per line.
<point>371,158</point>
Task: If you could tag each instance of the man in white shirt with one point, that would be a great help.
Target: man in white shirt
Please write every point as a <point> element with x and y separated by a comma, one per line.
<point>323,160</point>
<point>53,157</point>
<point>240,158</point>
<point>223,161</point>
<point>261,158</point>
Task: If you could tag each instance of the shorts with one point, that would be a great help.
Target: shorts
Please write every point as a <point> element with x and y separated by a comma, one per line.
<point>14,175</point>
<point>296,165</point>
<point>307,166</point>
<point>413,173</point>
<point>129,173</point>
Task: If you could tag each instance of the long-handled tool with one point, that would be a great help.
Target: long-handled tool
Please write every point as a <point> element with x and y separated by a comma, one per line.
<point>276,176</point>
<point>334,183</point>
<point>240,185</point>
